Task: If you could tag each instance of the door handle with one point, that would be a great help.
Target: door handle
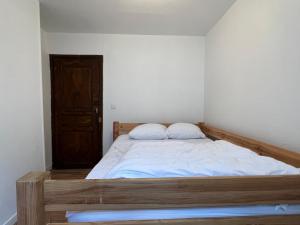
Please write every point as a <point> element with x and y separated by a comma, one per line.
<point>97,112</point>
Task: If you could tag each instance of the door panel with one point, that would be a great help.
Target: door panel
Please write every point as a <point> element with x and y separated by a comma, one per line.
<point>77,88</point>
<point>76,110</point>
<point>75,144</point>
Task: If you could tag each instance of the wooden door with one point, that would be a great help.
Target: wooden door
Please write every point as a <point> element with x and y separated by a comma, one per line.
<point>76,85</point>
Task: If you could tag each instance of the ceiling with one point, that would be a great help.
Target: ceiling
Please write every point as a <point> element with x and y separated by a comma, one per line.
<point>157,17</point>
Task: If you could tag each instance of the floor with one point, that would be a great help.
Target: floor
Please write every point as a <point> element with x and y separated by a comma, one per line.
<point>69,174</point>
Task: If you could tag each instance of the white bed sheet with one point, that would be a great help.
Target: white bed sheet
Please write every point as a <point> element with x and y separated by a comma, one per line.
<point>178,158</point>
<point>119,148</point>
<point>161,214</point>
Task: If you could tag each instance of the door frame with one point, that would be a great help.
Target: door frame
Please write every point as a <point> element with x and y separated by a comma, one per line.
<point>100,106</point>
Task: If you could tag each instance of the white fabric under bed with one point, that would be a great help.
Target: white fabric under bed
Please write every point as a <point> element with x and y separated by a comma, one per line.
<point>129,158</point>
<point>161,214</point>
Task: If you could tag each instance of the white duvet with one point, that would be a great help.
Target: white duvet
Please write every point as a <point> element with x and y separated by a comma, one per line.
<point>182,159</point>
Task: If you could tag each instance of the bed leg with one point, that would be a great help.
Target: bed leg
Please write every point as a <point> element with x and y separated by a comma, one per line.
<point>30,198</point>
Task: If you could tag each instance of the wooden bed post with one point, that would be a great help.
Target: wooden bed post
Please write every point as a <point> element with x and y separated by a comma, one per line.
<point>116,132</point>
<point>30,198</point>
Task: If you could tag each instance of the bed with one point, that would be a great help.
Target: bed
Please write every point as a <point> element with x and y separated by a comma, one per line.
<point>176,200</point>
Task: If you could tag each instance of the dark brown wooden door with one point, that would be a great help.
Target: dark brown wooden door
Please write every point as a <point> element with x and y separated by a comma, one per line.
<point>76,85</point>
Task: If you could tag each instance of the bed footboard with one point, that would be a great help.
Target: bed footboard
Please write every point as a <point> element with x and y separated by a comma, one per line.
<point>41,201</point>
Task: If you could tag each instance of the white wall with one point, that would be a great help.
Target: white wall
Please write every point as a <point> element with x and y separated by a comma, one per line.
<point>21,119</point>
<point>253,71</point>
<point>46,100</point>
<point>147,78</point>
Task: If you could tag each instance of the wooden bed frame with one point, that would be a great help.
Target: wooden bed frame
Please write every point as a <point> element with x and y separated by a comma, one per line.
<point>41,200</point>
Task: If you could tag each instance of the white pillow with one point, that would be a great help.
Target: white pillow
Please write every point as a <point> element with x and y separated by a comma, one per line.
<point>184,131</point>
<point>149,131</point>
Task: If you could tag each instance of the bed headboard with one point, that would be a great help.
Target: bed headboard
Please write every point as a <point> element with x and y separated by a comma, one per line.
<point>213,133</point>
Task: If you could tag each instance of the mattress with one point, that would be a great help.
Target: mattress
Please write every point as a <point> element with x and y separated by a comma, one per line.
<point>113,157</point>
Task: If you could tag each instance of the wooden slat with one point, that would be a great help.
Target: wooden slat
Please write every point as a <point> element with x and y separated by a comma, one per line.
<point>290,157</point>
<point>265,220</point>
<point>92,207</point>
<point>69,174</point>
<point>116,131</point>
<point>56,217</point>
<point>30,202</point>
<point>180,191</point>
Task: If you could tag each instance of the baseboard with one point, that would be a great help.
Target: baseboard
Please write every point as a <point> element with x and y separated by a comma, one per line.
<point>12,220</point>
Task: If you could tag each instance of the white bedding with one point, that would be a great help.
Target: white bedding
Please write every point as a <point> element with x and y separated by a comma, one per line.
<point>171,158</point>
<point>168,158</point>
<point>119,148</point>
<point>163,214</point>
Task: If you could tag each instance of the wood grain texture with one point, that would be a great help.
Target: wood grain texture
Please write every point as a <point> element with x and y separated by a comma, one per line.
<point>69,174</point>
<point>211,191</point>
<point>30,198</point>
<point>284,155</point>
<point>265,220</point>
<point>84,207</point>
<point>80,195</point>
<point>55,217</point>
<point>116,131</point>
